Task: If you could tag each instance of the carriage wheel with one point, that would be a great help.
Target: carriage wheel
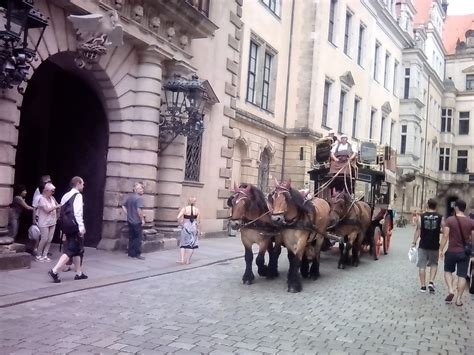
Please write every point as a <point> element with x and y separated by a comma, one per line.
<point>388,228</point>
<point>377,242</point>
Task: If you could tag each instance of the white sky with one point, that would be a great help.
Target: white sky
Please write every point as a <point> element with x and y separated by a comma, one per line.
<point>460,7</point>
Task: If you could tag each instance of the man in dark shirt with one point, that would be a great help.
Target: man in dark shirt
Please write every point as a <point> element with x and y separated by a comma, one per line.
<point>133,208</point>
<point>428,228</point>
<point>459,231</point>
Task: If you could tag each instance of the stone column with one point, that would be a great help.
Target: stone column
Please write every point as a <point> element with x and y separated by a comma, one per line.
<point>9,117</point>
<point>133,149</point>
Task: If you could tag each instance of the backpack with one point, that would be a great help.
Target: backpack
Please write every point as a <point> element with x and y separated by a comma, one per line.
<point>67,220</point>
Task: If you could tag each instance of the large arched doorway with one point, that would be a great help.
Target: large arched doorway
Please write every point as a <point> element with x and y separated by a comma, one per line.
<point>63,132</point>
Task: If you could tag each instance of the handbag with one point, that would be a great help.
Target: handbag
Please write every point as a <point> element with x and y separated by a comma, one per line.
<point>413,255</point>
<point>467,246</point>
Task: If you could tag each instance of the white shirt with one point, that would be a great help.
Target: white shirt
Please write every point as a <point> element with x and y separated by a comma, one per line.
<point>344,147</point>
<point>78,207</point>
<point>36,198</point>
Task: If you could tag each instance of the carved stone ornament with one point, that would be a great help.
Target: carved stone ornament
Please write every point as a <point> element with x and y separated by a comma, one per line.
<point>155,23</point>
<point>118,4</point>
<point>171,32</point>
<point>137,13</point>
<point>95,33</point>
<point>183,41</point>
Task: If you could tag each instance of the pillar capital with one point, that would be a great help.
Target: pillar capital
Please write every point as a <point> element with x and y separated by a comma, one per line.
<point>154,54</point>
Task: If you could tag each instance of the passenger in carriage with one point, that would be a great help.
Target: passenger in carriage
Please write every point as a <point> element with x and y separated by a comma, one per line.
<point>343,155</point>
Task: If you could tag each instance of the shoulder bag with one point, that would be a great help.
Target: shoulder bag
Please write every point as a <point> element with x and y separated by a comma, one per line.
<point>467,245</point>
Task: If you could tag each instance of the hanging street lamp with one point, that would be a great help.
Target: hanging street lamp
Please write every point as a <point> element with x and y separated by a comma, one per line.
<point>15,54</point>
<point>183,109</point>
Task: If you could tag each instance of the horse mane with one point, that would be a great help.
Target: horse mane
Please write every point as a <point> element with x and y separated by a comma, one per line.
<point>257,199</point>
<point>302,206</point>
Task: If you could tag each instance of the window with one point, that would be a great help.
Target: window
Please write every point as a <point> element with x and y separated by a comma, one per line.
<point>403,140</point>
<point>462,161</point>
<point>327,88</point>
<point>395,78</point>
<point>376,59</point>
<point>193,158</point>
<point>446,119</point>
<point>463,123</point>
<point>444,154</point>
<point>406,90</point>
<point>392,124</point>
<point>252,72</point>
<point>382,128</point>
<point>272,5</point>
<point>470,82</point>
<point>386,71</point>
<point>332,17</point>
<point>354,117</point>
<point>372,119</point>
<point>347,32</point>
<point>342,100</point>
<point>360,46</point>
<point>267,67</point>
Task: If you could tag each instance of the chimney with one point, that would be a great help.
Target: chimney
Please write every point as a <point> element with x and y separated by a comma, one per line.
<point>444,5</point>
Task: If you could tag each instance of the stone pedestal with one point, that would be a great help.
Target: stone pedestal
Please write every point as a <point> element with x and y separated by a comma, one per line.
<point>153,240</point>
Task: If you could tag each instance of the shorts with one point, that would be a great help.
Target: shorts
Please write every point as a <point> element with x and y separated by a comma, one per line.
<point>74,246</point>
<point>458,261</point>
<point>427,258</point>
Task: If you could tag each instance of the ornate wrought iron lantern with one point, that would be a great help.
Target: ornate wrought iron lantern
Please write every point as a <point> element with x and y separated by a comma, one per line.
<point>15,55</point>
<point>183,112</point>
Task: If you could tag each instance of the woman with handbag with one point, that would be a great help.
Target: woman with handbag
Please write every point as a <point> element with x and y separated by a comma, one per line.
<point>458,232</point>
<point>47,219</point>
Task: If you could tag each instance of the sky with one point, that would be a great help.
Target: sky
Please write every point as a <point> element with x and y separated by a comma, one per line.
<point>460,7</point>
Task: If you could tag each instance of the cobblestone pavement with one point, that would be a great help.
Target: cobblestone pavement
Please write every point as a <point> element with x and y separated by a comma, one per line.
<point>373,309</point>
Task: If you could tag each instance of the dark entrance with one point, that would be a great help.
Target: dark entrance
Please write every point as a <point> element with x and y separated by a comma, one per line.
<point>450,205</point>
<point>64,132</point>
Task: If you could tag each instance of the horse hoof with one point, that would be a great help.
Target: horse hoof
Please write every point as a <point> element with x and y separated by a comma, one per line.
<point>247,282</point>
<point>293,289</point>
<point>314,277</point>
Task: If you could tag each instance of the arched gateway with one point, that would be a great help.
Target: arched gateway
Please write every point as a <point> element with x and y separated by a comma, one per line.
<point>63,132</point>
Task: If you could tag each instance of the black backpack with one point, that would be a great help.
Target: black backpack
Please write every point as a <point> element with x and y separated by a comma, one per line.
<point>67,220</point>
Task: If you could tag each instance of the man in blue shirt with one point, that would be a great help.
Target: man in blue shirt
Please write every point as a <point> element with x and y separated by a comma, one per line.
<point>133,208</point>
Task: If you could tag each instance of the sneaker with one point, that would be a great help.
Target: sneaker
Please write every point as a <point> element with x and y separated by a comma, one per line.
<point>81,277</point>
<point>54,276</point>
<point>46,259</point>
<point>38,258</point>
<point>139,257</point>
<point>423,289</point>
<point>431,287</point>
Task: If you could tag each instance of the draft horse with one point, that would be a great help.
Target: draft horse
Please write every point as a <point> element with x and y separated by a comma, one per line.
<point>350,220</point>
<point>250,214</point>
<point>303,225</point>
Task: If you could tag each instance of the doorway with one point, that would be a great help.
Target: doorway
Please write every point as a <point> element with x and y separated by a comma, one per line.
<point>63,132</point>
<point>450,201</point>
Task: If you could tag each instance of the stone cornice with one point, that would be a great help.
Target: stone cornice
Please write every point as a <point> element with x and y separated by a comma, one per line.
<point>257,122</point>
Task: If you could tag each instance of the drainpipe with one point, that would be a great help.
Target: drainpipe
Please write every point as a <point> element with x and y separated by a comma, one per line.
<point>426,142</point>
<point>285,117</point>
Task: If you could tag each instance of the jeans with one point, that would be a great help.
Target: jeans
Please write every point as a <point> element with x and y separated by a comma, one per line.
<point>135,240</point>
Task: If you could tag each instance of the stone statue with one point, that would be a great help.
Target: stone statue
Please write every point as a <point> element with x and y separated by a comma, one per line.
<point>95,33</point>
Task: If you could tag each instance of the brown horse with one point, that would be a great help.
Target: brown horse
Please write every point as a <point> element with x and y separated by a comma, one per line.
<point>251,215</point>
<point>350,220</point>
<point>303,227</point>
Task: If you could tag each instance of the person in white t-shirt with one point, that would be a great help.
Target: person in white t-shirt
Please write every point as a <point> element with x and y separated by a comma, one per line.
<point>343,154</point>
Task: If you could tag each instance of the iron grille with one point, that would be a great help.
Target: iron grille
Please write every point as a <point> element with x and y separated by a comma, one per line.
<point>193,158</point>
<point>264,171</point>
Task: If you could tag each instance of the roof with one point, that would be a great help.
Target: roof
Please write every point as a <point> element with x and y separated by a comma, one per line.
<point>455,27</point>
<point>423,8</point>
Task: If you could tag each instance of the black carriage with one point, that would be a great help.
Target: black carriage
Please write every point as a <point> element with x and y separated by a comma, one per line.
<point>370,183</point>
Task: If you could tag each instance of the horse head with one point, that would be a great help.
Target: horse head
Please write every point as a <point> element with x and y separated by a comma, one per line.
<point>284,208</point>
<point>339,204</point>
<point>237,201</point>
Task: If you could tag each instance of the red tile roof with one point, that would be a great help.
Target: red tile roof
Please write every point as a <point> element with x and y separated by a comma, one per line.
<point>423,8</point>
<point>455,27</point>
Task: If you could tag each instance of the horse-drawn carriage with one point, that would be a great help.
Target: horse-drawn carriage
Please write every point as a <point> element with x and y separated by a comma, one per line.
<point>368,183</point>
<point>287,217</point>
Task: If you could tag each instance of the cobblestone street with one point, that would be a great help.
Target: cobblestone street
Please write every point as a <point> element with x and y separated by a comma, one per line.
<point>375,308</point>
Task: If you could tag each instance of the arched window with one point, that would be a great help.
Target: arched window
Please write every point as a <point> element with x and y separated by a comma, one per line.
<point>264,171</point>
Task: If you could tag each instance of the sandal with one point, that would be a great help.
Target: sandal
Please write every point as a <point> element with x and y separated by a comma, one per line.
<point>449,298</point>
<point>459,304</point>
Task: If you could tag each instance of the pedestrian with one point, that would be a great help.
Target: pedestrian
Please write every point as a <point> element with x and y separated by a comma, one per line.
<point>428,228</point>
<point>74,245</point>
<point>17,207</point>
<point>188,219</point>
<point>458,233</point>
<point>38,192</point>
<point>133,208</point>
<point>47,219</point>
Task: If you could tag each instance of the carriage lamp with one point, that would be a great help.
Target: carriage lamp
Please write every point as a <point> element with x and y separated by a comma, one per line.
<point>182,112</point>
<point>15,53</point>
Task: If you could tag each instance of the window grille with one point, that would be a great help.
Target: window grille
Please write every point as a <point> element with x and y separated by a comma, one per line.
<point>193,158</point>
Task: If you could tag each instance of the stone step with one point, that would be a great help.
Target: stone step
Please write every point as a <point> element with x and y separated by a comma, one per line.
<point>13,261</point>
